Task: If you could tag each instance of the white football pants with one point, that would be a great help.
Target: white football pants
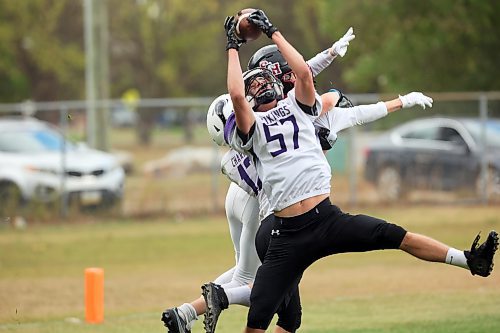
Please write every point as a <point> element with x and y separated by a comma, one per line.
<point>242,211</point>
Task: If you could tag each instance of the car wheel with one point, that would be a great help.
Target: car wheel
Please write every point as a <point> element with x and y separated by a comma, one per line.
<point>389,184</point>
<point>10,197</point>
<point>492,184</point>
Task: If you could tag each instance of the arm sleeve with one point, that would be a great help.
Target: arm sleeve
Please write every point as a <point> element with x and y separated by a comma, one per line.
<point>233,137</point>
<point>320,61</point>
<point>337,119</point>
<point>342,118</point>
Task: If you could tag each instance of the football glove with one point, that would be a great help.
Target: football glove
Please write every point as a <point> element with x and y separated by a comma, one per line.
<point>233,42</point>
<point>260,19</point>
<point>416,98</point>
<point>340,46</point>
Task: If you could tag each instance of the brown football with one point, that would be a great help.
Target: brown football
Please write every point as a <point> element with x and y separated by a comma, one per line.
<point>245,29</point>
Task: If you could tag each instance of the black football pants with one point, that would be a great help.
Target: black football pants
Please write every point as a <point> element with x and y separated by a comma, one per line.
<point>297,242</point>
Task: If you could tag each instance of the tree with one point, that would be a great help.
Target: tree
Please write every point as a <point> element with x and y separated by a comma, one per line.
<point>41,46</point>
<point>430,45</point>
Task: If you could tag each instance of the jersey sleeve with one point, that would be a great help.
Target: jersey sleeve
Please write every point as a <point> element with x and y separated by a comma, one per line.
<point>232,137</point>
<point>316,109</point>
<point>320,61</point>
<point>240,169</point>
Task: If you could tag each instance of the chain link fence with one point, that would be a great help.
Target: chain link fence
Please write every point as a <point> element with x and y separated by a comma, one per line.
<point>173,167</point>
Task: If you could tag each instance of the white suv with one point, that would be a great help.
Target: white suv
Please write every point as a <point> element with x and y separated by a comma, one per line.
<point>38,164</point>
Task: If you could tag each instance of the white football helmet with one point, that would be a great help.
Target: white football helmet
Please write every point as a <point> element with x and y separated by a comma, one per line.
<point>218,112</point>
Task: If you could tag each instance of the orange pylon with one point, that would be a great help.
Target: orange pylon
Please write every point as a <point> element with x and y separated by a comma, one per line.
<point>94,295</point>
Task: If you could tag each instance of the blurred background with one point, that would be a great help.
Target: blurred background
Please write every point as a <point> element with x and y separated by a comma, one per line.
<point>103,102</point>
<point>105,159</point>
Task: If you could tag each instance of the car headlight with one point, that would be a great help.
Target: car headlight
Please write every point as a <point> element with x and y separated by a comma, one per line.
<point>32,168</point>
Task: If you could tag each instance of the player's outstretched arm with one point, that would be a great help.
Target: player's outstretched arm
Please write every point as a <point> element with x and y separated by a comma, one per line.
<point>304,86</point>
<point>339,48</point>
<point>323,59</point>
<point>338,118</point>
<point>235,85</point>
<point>408,101</point>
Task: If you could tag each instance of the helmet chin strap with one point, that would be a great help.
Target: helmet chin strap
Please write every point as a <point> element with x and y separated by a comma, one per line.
<point>266,97</point>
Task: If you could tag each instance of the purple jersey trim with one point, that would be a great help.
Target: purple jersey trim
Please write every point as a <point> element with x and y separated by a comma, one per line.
<point>229,127</point>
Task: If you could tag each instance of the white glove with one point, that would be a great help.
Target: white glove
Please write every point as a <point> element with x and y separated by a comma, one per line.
<point>415,98</point>
<point>340,46</point>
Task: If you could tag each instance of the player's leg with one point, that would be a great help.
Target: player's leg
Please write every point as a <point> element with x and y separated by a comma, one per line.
<point>248,215</point>
<point>182,318</point>
<point>368,233</point>
<point>290,313</point>
<point>479,260</point>
<point>233,210</point>
<point>288,255</point>
<point>245,209</point>
<point>271,286</point>
<point>425,248</point>
<point>263,236</point>
<point>358,233</point>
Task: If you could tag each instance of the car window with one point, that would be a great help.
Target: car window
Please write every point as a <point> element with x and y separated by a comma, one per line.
<point>450,135</point>
<point>30,141</point>
<point>429,133</point>
<point>492,132</point>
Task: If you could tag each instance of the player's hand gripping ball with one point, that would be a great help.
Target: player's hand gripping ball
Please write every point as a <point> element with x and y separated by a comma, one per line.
<point>244,28</point>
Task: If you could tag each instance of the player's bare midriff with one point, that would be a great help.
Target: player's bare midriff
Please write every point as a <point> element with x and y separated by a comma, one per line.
<point>301,207</point>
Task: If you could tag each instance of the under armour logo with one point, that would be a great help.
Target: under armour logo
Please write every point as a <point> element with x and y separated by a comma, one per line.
<point>275,232</point>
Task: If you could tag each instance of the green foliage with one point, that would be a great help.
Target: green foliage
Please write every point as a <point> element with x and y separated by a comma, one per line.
<point>40,43</point>
<point>419,45</point>
<point>175,48</point>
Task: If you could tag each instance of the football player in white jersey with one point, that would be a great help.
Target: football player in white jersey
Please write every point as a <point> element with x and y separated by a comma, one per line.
<point>295,175</point>
<point>242,207</point>
<point>239,168</point>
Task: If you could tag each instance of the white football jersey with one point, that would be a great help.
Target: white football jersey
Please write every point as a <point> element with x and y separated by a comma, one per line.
<point>240,169</point>
<point>289,159</point>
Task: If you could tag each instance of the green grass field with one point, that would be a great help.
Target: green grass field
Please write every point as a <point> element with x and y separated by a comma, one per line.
<point>154,264</point>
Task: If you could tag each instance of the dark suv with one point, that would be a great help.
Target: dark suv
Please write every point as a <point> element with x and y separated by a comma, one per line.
<point>442,154</point>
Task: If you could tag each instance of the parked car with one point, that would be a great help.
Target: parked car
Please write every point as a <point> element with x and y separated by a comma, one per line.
<point>38,164</point>
<point>438,153</point>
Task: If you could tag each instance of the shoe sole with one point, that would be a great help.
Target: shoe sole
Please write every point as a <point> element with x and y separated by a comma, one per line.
<point>210,320</point>
<point>492,237</point>
<point>172,322</point>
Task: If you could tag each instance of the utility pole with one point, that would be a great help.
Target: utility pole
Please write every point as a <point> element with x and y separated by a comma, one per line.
<point>90,89</point>
<point>103,74</point>
<point>96,71</point>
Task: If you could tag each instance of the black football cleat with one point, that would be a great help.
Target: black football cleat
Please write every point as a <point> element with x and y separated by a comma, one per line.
<point>174,322</point>
<point>480,258</point>
<point>216,301</point>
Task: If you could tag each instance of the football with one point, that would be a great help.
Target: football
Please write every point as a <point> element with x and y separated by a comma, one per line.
<point>244,29</point>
